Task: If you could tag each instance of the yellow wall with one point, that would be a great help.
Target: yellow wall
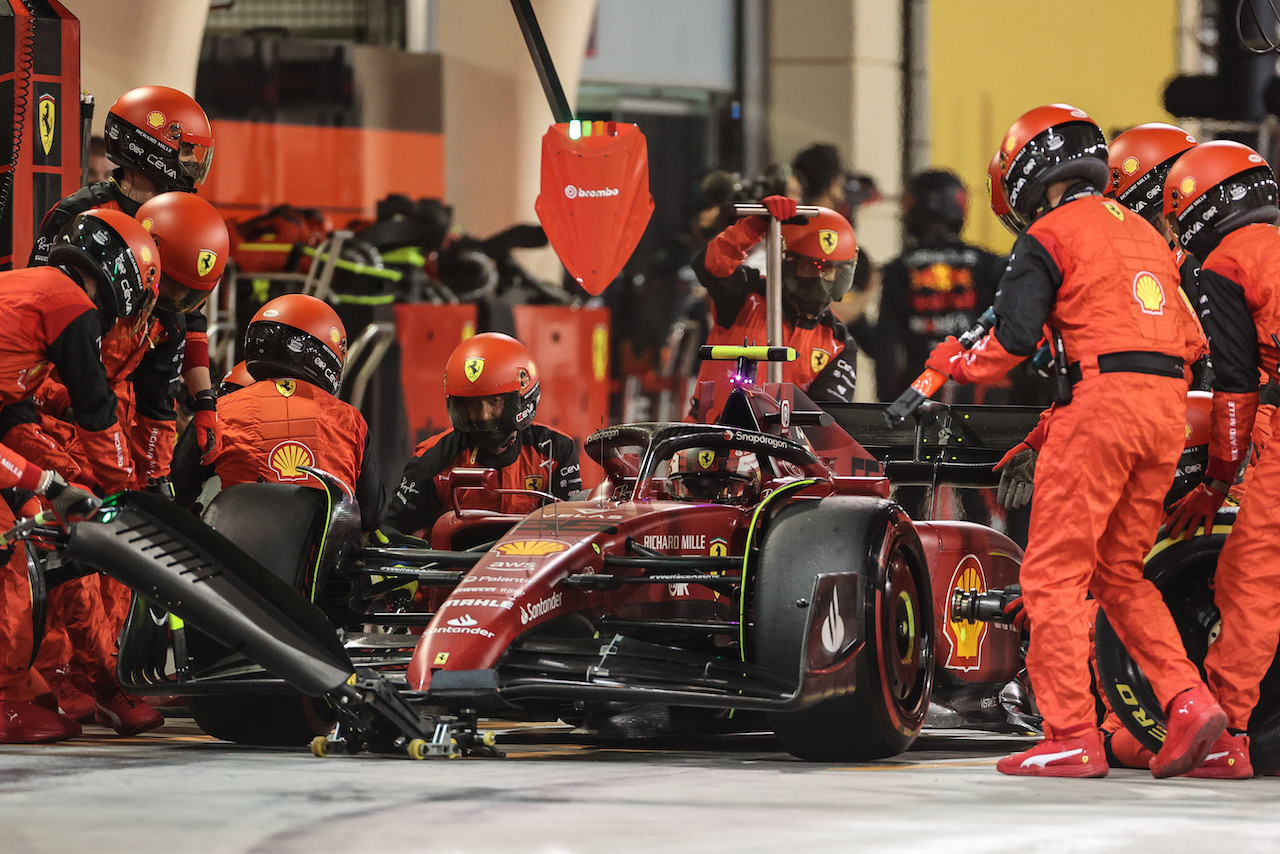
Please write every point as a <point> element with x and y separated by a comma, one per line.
<point>992,60</point>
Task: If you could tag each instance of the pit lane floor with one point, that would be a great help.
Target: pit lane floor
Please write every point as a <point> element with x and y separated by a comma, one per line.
<point>176,790</point>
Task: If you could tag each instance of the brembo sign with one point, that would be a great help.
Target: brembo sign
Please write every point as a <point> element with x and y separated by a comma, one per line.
<point>572,191</point>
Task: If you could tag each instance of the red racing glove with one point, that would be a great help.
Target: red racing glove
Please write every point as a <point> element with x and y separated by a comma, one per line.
<point>782,208</point>
<point>1196,509</point>
<point>945,355</point>
<point>1015,611</point>
<point>207,427</point>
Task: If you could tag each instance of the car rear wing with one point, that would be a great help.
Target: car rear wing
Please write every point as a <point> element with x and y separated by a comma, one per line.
<point>951,444</point>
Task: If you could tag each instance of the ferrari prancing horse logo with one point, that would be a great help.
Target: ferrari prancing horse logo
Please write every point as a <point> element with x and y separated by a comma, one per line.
<point>828,240</point>
<point>818,359</point>
<point>473,367</point>
<point>48,115</point>
<point>205,261</point>
<point>706,459</point>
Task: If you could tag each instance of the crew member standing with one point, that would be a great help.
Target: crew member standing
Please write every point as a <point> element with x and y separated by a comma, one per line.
<point>1102,282</point>
<point>1221,199</point>
<point>817,268</point>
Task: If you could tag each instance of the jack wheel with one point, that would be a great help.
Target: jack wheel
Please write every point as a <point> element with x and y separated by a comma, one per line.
<point>416,748</point>
<point>320,747</point>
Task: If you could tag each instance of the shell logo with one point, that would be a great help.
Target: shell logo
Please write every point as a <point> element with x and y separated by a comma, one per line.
<point>1186,434</point>
<point>147,223</point>
<point>155,118</point>
<point>1188,186</point>
<point>145,252</point>
<point>1149,293</point>
<point>287,459</point>
<point>1010,143</point>
<point>966,636</point>
<point>1129,166</point>
<point>535,548</point>
<point>828,240</point>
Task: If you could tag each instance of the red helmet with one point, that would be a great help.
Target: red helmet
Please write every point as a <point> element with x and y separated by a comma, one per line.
<point>722,476</point>
<point>237,378</point>
<point>999,203</point>
<point>296,336</point>
<point>820,259</point>
<point>1140,158</point>
<point>1056,142</point>
<point>193,243</point>
<point>163,134</point>
<point>1215,188</point>
<point>114,250</point>
<point>491,365</point>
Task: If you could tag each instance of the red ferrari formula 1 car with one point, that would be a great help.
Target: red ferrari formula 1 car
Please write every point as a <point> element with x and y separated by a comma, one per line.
<point>747,573</point>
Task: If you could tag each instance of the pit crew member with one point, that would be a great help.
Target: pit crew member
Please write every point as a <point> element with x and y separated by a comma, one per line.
<point>1101,281</point>
<point>491,385</point>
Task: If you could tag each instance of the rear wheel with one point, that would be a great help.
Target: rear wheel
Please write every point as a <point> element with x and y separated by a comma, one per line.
<point>1183,570</point>
<point>880,713</point>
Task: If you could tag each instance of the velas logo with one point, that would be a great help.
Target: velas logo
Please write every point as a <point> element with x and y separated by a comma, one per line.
<point>574,192</point>
<point>536,548</point>
<point>287,458</point>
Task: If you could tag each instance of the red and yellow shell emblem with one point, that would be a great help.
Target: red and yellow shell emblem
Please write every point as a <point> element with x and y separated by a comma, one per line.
<point>287,460</point>
<point>1188,186</point>
<point>1149,293</point>
<point>536,548</point>
<point>1130,165</point>
<point>155,118</point>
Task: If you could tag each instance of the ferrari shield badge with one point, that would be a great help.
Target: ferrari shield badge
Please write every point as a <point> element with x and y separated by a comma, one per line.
<point>706,458</point>
<point>473,367</point>
<point>594,202</point>
<point>48,114</point>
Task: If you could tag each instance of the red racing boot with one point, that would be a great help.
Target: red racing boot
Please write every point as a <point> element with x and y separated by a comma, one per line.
<point>1125,751</point>
<point>73,692</point>
<point>1195,722</point>
<point>125,713</point>
<point>1228,759</point>
<point>1073,756</point>
<point>24,722</point>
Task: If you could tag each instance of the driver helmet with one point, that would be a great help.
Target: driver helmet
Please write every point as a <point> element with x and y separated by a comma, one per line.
<point>237,378</point>
<point>1215,188</point>
<point>1056,142</point>
<point>1140,159</point>
<point>193,243</point>
<point>720,476</point>
<point>818,261</point>
<point>114,250</point>
<point>491,388</point>
<point>163,134</point>
<point>296,336</point>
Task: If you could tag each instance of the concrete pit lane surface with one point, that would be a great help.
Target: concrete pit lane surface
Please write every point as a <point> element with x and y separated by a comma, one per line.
<point>178,790</point>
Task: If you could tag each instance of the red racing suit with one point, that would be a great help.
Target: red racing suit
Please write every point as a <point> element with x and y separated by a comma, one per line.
<point>273,427</point>
<point>825,367</point>
<point>541,459</point>
<point>1240,310</point>
<point>1103,278</point>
